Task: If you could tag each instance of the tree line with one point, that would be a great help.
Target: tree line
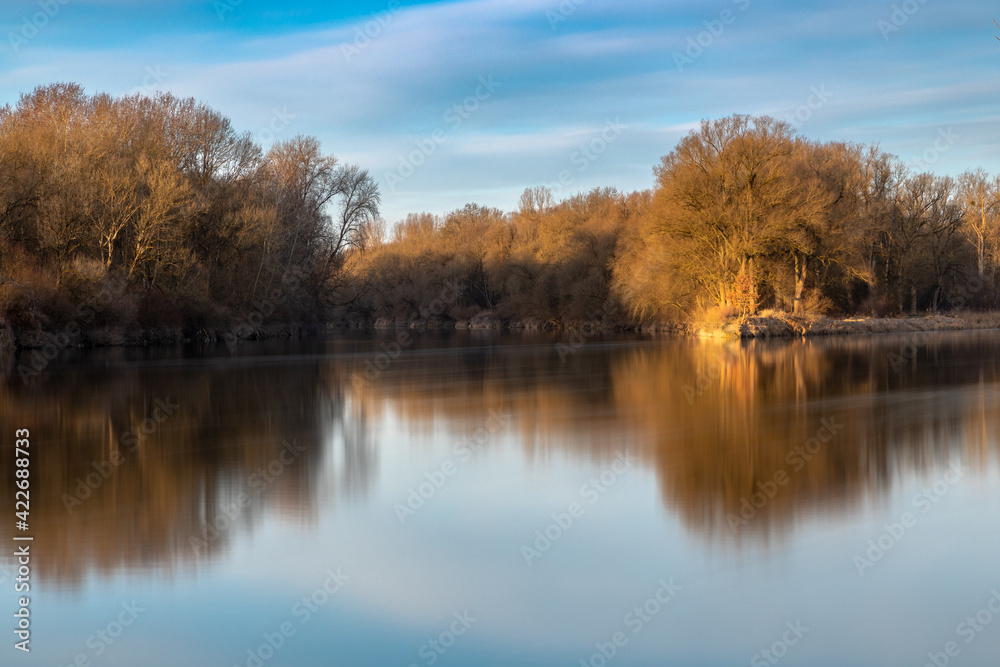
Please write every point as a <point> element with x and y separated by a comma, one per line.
<point>156,212</point>
<point>744,216</point>
<point>159,213</point>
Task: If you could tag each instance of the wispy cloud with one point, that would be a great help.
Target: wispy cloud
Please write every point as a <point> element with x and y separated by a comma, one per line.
<point>605,60</point>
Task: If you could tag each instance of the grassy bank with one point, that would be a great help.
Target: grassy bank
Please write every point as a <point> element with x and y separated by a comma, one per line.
<point>774,324</point>
<point>768,324</point>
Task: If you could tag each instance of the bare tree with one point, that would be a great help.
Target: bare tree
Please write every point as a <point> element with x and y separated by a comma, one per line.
<point>358,206</point>
<point>980,197</point>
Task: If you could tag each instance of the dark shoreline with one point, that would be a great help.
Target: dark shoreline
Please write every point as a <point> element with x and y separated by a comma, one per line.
<point>768,325</point>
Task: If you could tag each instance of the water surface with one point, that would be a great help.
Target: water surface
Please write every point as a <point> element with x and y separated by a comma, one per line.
<point>481,499</point>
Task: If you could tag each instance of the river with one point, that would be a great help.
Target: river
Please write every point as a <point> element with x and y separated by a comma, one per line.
<point>473,498</point>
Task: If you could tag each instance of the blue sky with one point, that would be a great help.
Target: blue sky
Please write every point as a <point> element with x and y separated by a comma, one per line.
<point>536,82</point>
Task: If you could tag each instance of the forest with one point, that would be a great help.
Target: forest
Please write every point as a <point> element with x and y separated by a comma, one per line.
<point>143,213</point>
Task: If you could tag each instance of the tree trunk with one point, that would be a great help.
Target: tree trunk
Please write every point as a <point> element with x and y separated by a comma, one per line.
<point>801,264</point>
<point>982,242</point>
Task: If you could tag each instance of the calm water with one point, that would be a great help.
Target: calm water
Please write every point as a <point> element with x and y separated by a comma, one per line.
<point>488,500</point>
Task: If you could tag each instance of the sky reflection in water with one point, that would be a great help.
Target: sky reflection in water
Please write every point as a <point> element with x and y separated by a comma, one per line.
<point>705,425</point>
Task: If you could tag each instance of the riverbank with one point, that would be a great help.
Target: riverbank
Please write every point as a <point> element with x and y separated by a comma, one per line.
<point>775,324</point>
<point>770,324</point>
<point>135,337</point>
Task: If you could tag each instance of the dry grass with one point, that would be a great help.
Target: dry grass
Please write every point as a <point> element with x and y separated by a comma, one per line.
<point>776,324</point>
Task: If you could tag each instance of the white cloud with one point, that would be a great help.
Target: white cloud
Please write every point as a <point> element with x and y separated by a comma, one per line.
<point>606,61</point>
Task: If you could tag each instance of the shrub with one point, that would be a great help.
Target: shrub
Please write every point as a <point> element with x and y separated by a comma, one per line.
<point>744,295</point>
